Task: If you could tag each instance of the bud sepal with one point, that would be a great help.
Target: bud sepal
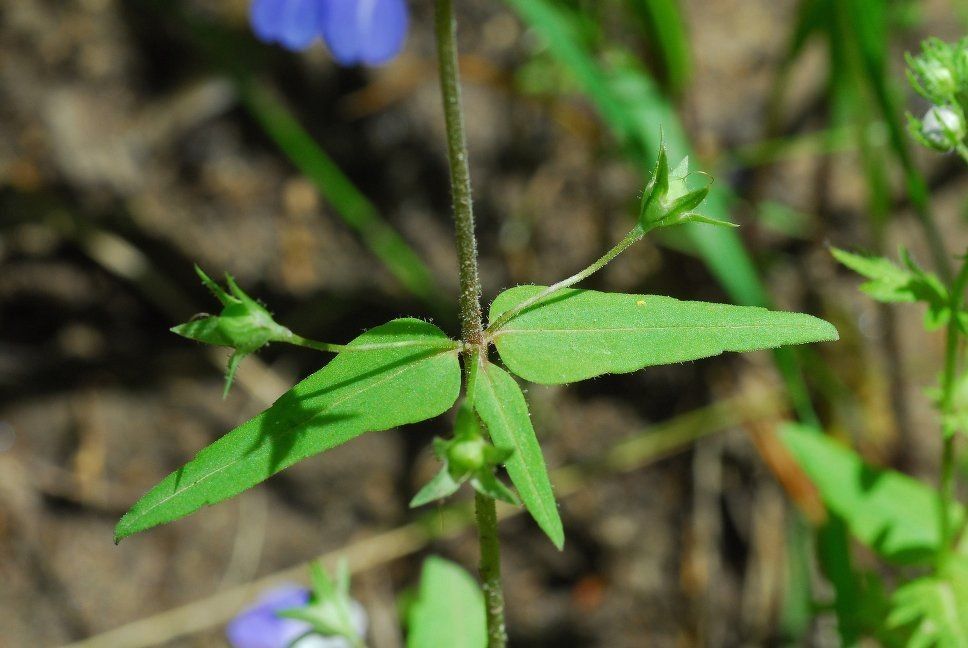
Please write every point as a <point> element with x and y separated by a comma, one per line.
<point>467,457</point>
<point>668,201</point>
<point>243,324</point>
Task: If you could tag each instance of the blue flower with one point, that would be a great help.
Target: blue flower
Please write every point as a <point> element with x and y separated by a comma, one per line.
<point>367,32</point>
<point>261,626</point>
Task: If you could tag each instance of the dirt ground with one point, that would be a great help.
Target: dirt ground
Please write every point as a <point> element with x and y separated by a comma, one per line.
<point>125,156</point>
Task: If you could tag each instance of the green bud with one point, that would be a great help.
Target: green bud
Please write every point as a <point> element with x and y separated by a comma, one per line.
<point>940,72</point>
<point>667,199</point>
<point>942,128</point>
<point>466,455</point>
<point>244,324</point>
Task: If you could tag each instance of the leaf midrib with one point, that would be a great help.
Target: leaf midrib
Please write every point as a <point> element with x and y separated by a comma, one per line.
<point>633,329</point>
<point>517,446</point>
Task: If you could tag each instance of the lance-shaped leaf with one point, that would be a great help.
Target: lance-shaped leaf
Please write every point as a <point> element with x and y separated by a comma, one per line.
<point>578,334</point>
<point>502,407</point>
<point>358,391</point>
<point>449,610</point>
<point>893,514</point>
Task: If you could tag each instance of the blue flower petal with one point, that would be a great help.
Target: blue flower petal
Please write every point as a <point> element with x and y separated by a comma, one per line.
<point>294,24</point>
<point>300,23</point>
<point>370,32</point>
<point>266,19</point>
<point>259,627</point>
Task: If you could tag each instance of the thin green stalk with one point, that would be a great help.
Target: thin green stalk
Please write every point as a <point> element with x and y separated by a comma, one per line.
<point>948,380</point>
<point>630,239</point>
<point>472,333</point>
<point>490,566</point>
<point>326,347</point>
<point>460,179</point>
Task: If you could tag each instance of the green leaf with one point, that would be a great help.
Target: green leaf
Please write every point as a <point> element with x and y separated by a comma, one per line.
<point>357,392</point>
<point>893,514</point>
<point>486,483</point>
<point>890,283</point>
<point>502,407</point>
<point>934,609</point>
<point>663,22</point>
<point>449,610</point>
<point>578,334</point>
<point>440,486</point>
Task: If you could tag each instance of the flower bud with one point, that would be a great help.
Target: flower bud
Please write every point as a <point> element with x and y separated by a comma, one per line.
<point>938,76</point>
<point>467,455</point>
<point>943,127</point>
<point>247,325</point>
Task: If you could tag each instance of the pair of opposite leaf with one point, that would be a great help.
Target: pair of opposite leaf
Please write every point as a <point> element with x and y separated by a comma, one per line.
<point>407,371</point>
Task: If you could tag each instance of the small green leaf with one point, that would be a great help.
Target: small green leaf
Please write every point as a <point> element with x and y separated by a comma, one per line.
<point>502,407</point>
<point>440,486</point>
<point>578,334</point>
<point>934,610</point>
<point>357,392</point>
<point>449,610</point>
<point>893,514</point>
<point>486,483</point>
<point>888,283</point>
<point>891,283</point>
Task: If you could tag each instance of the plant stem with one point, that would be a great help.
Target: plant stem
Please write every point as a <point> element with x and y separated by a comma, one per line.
<point>948,380</point>
<point>490,568</point>
<point>460,180</point>
<point>630,239</point>
<point>469,310</point>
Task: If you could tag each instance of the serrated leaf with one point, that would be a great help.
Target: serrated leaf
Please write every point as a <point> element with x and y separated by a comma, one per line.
<point>357,392</point>
<point>502,407</point>
<point>888,283</point>
<point>449,610</point>
<point>893,514</point>
<point>934,609</point>
<point>578,334</point>
<point>891,283</point>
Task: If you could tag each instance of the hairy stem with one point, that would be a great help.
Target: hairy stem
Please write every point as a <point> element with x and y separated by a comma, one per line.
<point>630,239</point>
<point>472,333</point>
<point>948,379</point>
<point>460,180</point>
<point>490,569</point>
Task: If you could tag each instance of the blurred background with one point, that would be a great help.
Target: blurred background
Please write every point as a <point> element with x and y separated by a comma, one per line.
<point>140,137</point>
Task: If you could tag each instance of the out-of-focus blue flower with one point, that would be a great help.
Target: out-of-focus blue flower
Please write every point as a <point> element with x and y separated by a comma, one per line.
<point>367,32</point>
<point>294,24</point>
<point>261,625</point>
